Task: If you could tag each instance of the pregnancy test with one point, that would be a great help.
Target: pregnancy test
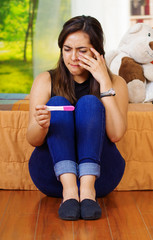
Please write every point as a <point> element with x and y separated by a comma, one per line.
<point>60,108</point>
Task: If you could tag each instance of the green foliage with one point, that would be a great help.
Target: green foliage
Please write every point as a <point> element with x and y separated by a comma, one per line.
<point>4,12</point>
<point>13,50</point>
<point>14,19</point>
<point>16,76</point>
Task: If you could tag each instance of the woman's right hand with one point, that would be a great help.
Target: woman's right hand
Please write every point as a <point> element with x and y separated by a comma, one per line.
<point>42,116</point>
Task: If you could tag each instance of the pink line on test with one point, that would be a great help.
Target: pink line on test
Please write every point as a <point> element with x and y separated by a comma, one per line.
<point>68,108</point>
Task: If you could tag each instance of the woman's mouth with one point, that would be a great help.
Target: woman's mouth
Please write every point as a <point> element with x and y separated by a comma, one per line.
<point>74,65</point>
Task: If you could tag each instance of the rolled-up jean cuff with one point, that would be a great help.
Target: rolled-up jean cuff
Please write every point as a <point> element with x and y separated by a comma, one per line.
<point>65,166</point>
<point>89,169</point>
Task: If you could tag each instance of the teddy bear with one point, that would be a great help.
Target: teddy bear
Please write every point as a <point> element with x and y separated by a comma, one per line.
<point>133,60</point>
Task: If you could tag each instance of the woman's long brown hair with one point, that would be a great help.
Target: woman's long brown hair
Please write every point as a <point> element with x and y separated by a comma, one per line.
<point>63,84</point>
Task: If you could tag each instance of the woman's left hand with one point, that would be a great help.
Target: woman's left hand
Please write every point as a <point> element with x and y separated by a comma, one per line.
<point>96,66</point>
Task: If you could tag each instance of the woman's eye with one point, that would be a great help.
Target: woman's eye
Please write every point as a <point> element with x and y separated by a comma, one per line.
<point>149,34</point>
<point>83,51</point>
<point>67,49</point>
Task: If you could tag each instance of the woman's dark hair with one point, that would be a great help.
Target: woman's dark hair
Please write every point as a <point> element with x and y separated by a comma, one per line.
<point>63,83</point>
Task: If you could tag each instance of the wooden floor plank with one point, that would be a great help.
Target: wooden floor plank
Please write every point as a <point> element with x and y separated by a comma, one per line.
<point>4,199</point>
<point>49,225</point>
<point>92,230</point>
<point>144,202</point>
<point>125,220</point>
<point>20,217</point>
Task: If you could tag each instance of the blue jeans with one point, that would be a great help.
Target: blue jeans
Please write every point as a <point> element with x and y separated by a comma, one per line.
<point>77,143</point>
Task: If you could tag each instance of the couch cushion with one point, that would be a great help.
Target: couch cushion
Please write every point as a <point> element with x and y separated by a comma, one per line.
<point>15,151</point>
<point>137,148</point>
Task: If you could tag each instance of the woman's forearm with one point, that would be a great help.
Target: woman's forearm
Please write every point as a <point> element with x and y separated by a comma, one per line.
<point>36,134</point>
<point>116,122</point>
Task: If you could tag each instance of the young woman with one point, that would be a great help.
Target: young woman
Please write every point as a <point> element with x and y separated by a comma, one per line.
<point>75,156</point>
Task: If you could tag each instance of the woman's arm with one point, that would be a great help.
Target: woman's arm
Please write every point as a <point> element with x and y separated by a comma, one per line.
<point>116,109</point>
<point>39,117</point>
<point>115,106</point>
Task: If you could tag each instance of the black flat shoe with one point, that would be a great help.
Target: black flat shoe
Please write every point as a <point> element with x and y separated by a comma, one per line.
<point>90,210</point>
<point>69,210</point>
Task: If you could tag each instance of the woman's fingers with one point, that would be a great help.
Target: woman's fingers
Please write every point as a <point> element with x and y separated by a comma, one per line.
<point>85,66</point>
<point>42,116</point>
<point>96,66</point>
<point>88,60</point>
<point>97,55</point>
<point>41,110</point>
<point>85,61</point>
<point>40,107</point>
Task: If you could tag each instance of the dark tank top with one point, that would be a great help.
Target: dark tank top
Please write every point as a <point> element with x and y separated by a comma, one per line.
<point>80,90</point>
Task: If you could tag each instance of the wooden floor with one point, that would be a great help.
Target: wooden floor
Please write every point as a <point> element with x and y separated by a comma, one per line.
<point>30,215</point>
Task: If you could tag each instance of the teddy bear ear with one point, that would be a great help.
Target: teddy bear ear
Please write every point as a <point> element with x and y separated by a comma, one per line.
<point>135,28</point>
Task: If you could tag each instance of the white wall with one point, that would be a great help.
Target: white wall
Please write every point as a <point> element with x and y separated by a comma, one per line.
<point>112,14</point>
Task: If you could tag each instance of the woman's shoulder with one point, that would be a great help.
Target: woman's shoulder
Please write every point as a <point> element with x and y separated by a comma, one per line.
<point>42,83</point>
<point>118,80</point>
<point>43,79</point>
<point>117,77</point>
<point>44,76</point>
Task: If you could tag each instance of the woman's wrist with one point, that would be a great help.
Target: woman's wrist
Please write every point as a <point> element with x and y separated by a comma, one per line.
<point>109,93</point>
<point>105,84</point>
<point>104,87</point>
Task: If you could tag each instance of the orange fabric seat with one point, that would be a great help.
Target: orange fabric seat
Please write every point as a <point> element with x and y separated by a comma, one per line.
<point>137,148</point>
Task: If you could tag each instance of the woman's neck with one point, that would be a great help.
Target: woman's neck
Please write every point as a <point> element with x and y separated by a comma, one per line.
<point>81,78</point>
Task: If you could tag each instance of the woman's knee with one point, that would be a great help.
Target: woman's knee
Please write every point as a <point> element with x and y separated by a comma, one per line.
<point>89,99</point>
<point>89,109</point>
<point>58,100</point>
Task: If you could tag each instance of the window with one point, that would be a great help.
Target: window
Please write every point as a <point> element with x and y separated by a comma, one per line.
<point>21,22</point>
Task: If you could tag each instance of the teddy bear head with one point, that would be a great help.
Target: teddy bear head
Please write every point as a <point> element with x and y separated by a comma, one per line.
<point>138,43</point>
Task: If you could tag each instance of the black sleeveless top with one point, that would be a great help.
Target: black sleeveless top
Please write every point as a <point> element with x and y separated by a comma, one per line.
<point>80,90</point>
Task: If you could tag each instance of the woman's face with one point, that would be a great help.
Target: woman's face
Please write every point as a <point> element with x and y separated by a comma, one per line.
<point>74,44</point>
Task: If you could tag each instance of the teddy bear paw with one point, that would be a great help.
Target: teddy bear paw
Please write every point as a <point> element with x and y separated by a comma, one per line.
<point>137,91</point>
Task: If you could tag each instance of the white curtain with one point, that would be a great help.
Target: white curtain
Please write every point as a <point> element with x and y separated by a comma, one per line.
<point>114,15</point>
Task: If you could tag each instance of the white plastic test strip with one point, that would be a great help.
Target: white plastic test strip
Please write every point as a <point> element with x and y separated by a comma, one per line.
<point>60,108</point>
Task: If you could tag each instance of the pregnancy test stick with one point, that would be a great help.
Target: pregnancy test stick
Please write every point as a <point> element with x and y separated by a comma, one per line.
<point>60,108</point>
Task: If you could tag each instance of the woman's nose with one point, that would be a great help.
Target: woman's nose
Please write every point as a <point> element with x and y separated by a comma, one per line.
<point>74,56</point>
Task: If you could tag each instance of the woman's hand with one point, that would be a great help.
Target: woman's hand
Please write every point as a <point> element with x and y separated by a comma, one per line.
<point>96,66</point>
<point>42,116</point>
